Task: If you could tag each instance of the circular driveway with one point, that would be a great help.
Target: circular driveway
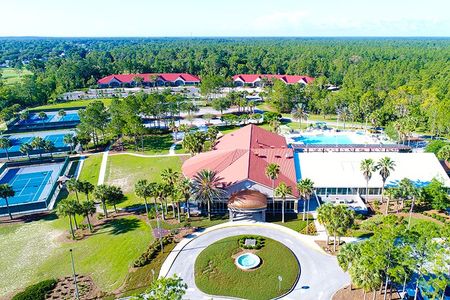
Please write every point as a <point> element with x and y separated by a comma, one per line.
<point>320,274</point>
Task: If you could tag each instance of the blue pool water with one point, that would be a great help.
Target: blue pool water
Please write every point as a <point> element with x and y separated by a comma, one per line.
<point>248,261</point>
<point>324,140</point>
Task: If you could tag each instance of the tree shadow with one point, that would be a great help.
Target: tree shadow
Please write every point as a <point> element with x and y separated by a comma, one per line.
<point>120,226</point>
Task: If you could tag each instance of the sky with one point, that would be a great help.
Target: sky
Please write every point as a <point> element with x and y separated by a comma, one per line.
<point>166,18</point>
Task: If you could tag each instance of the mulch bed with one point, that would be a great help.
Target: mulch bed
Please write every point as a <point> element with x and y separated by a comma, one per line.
<point>65,289</point>
<point>358,294</point>
<point>329,248</point>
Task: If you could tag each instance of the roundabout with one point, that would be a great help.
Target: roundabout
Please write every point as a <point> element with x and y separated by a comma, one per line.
<point>319,277</point>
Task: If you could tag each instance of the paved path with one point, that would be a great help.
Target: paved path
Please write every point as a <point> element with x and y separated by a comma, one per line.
<point>320,274</point>
<point>101,176</point>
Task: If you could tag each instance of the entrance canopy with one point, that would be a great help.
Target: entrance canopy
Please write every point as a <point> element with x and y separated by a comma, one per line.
<point>247,200</point>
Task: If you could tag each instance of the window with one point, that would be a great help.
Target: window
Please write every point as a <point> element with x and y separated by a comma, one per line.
<point>321,191</point>
<point>342,191</point>
<point>331,191</point>
<point>362,191</point>
<point>353,191</point>
<point>374,191</point>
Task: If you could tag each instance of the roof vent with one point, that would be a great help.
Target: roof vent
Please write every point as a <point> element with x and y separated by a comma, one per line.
<point>277,156</point>
<point>288,155</point>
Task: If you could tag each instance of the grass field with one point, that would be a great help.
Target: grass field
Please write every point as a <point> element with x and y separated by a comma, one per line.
<point>153,144</point>
<point>69,104</point>
<point>91,168</point>
<point>125,170</point>
<point>13,76</point>
<point>38,250</point>
<point>292,221</point>
<point>216,273</point>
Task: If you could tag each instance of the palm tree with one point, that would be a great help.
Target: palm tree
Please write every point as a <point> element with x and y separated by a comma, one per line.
<point>42,115</point>
<point>64,209</point>
<point>49,146</point>
<point>160,192</point>
<point>38,144</point>
<point>392,194</point>
<point>305,188</point>
<point>143,190</point>
<point>206,186</point>
<point>272,172</point>
<point>384,166</point>
<point>26,149</point>
<point>7,191</point>
<point>62,113</point>
<point>101,193</point>
<point>88,209</point>
<point>367,168</point>
<point>408,189</point>
<point>170,178</point>
<point>282,191</point>
<point>300,114</point>
<point>324,217</point>
<point>184,186</point>
<point>86,187</point>
<point>69,139</point>
<point>5,144</point>
<point>73,185</point>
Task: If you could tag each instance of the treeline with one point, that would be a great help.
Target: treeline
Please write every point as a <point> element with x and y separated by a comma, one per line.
<point>410,75</point>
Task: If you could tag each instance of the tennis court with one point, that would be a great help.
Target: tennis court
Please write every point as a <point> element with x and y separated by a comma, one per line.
<point>18,140</point>
<point>70,117</point>
<point>31,183</point>
<point>34,119</point>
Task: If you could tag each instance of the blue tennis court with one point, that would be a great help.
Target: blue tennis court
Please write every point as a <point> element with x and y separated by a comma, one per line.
<point>57,139</point>
<point>28,186</point>
<point>70,117</point>
<point>34,119</point>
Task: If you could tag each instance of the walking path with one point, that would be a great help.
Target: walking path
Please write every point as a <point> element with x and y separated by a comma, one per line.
<point>101,176</point>
<point>320,274</point>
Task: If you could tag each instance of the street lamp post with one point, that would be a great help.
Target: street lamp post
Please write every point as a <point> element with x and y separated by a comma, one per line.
<point>280,279</point>
<point>77,296</point>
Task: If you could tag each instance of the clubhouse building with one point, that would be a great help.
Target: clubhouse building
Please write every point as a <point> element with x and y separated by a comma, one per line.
<point>258,80</point>
<point>148,80</point>
<point>240,159</point>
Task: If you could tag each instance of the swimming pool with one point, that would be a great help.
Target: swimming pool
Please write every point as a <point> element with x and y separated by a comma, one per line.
<point>322,139</point>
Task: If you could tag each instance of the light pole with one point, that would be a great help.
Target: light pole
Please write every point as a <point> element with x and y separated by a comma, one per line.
<point>280,279</point>
<point>77,296</point>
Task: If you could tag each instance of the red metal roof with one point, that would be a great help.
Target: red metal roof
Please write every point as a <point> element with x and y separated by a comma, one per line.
<point>244,155</point>
<point>149,77</point>
<point>289,79</point>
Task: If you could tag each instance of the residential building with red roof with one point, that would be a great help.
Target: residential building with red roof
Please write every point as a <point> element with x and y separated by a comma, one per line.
<point>257,80</point>
<point>148,79</point>
<point>240,159</point>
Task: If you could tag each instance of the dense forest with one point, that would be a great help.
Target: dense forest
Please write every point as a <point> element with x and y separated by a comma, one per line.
<point>399,82</point>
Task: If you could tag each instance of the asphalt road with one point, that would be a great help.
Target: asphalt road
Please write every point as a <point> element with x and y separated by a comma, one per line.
<point>320,274</point>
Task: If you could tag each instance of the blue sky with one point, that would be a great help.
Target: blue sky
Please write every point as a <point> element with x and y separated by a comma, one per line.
<point>225,18</point>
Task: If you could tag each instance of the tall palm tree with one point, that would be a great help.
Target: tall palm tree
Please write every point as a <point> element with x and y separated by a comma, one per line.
<point>161,191</point>
<point>73,185</point>
<point>324,213</point>
<point>384,166</point>
<point>5,144</point>
<point>367,168</point>
<point>26,149</point>
<point>38,144</point>
<point>42,115</point>
<point>170,178</point>
<point>206,186</point>
<point>86,187</point>
<point>68,139</point>
<point>282,191</point>
<point>305,188</point>
<point>49,146</point>
<point>184,186</point>
<point>64,210</point>
<point>101,193</point>
<point>6,191</point>
<point>272,172</point>
<point>300,114</point>
<point>408,189</point>
<point>87,208</point>
<point>143,190</point>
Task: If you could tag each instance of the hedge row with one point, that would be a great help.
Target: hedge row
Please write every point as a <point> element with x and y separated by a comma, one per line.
<point>151,252</point>
<point>436,217</point>
<point>258,244</point>
<point>36,291</point>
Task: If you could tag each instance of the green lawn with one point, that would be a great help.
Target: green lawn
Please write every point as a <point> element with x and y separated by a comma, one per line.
<point>125,170</point>
<point>153,144</point>
<point>91,168</point>
<point>73,103</point>
<point>13,76</point>
<point>38,250</point>
<point>199,222</point>
<point>292,221</point>
<point>216,273</point>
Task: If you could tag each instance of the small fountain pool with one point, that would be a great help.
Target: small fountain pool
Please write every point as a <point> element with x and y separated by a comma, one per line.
<point>248,261</point>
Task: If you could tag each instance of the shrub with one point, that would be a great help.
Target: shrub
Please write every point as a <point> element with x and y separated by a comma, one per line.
<point>258,244</point>
<point>151,252</point>
<point>36,291</point>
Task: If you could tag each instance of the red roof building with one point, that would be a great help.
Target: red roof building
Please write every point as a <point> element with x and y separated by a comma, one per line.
<point>149,79</point>
<point>240,159</point>
<point>256,80</point>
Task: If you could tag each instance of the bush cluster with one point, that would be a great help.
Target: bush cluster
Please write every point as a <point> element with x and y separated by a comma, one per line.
<point>36,291</point>
<point>258,245</point>
<point>151,252</point>
<point>436,217</point>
